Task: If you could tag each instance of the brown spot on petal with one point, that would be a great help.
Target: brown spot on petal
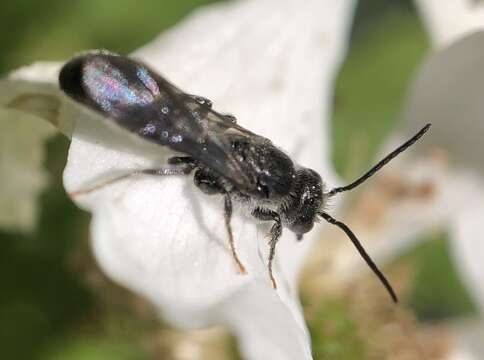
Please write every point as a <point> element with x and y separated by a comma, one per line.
<point>439,154</point>
<point>425,190</point>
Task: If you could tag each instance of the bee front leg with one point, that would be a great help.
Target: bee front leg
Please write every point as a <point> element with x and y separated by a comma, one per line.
<point>275,234</point>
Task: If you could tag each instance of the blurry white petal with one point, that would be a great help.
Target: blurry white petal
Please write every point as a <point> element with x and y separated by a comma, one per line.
<point>23,131</point>
<point>42,72</point>
<point>468,343</point>
<point>450,20</point>
<point>21,165</point>
<point>33,91</point>
<point>468,246</point>
<point>272,64</point>
<point>448,92</point>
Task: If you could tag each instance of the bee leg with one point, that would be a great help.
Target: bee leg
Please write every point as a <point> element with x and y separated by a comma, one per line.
<point>182,169</point>
<point>275,233</point>
<point>209,183</point>
<point>228,216</point>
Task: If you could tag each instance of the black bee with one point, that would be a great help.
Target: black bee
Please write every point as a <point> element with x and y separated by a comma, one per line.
<point>225,158</point>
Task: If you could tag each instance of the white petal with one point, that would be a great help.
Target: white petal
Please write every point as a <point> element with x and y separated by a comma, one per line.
<point>272,64</point>
<point>468,247</point>
<point>448,93</point>
<point>23,107</point>
<point>449,20</point>
<point>467,344</point>
<point>33,91</point>
<point>21,165</point>
<point>42,72</point>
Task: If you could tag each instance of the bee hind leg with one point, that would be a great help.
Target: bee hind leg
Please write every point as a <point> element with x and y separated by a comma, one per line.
<point>176,169</point>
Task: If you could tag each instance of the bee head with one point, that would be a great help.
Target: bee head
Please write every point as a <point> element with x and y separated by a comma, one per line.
<point>307,198</point>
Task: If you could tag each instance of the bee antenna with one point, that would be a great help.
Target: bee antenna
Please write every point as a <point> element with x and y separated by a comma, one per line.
<point>381,163</point>
<point>362,252</point>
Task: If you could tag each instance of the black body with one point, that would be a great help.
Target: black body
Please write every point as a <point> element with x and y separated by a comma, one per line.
<point>225,158</point>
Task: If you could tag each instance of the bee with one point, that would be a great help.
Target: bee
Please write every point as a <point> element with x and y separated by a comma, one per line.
<point>223,157</point>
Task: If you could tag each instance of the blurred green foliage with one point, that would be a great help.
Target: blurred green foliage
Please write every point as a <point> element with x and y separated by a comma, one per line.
<point>93,349</point>
<point>41,296</point>
<point>335,334</point>
<point>372,85</point>
<point>54,30</point>
<point>48,311</point>
<point>438,292</point>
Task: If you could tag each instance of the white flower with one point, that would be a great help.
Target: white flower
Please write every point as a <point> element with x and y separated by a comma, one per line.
<point>272,64</point>
<point>450,20</point>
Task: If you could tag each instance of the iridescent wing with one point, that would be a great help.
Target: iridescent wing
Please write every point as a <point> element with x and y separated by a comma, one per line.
<point>143,102</point>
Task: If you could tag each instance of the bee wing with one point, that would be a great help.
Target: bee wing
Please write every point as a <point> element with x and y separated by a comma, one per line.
<point>143,102</point>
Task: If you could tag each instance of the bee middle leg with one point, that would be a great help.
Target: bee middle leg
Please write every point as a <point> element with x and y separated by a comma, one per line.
<point>275,233</point>
<point>210,183</point>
